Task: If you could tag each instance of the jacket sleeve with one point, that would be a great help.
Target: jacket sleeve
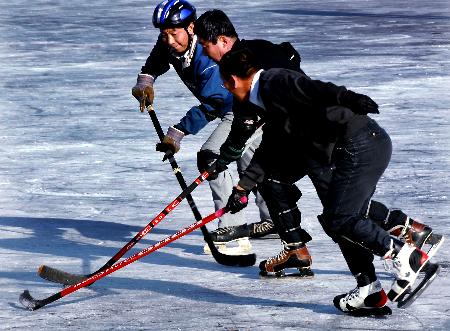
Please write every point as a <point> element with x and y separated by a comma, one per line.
<point>315,92</point>
<point>245,123</point>
<point>193,121</point>
<point>255,172</point>
<point>214,97</point>
<point>325,96</point>
<point>157,62</point>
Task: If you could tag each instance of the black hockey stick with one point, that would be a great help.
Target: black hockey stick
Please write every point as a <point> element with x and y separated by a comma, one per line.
<point>31,303</point>
<point>62,277</point>
<point>229,260</point>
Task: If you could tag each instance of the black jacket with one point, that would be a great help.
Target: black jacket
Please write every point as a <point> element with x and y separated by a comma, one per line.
<point>303,113</point>
<point>268,55</point>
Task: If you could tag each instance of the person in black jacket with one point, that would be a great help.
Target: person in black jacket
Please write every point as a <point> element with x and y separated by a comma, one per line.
<point>301,114</point>
<point>217,35</point>
<point>276,55</point>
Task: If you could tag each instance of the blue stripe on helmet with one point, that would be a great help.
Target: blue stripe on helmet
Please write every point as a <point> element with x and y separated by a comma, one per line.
<point>169,4</point>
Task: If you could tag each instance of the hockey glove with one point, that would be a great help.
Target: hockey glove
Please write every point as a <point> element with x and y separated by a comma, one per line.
<point>207,160</point>
<point>358,103</point>
<point>217,167</point>
<point>171,141</point>
<point>143,91</point>
<point>237,201</point>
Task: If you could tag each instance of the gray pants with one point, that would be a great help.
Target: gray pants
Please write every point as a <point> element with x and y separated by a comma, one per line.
<point>222,186</point>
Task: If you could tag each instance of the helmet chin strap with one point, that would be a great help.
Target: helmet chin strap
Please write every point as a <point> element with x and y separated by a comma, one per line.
<point>190,50</point>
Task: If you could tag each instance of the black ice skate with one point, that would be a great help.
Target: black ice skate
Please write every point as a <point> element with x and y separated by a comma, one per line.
<point>419,235</point>
<point>231,240</point>
<point>292,256</point>
<point>367,299</point>
<point>263,229</point>
<point>408,261</point>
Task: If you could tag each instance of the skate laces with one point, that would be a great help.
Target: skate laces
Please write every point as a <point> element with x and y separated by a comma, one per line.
<point>221,230</point>
<point>262,226</point>
<point>352,294</point>
<point>279,257</point>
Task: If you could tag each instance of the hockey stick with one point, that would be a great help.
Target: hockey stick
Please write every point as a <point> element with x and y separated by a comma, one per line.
<point>58,276</point>
<point>229,260</point>
<point>29,302</point>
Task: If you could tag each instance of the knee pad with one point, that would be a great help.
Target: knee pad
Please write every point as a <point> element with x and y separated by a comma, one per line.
<point>281,191</point>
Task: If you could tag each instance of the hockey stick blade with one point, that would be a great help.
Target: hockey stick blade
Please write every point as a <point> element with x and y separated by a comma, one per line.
<point>29,302</point>
<point>59,276</point>
<point>431,272</point>
<point>246,260</point>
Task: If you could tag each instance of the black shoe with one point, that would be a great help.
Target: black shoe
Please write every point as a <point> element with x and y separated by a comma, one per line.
<point>262,229</point>
<point>230,233</point>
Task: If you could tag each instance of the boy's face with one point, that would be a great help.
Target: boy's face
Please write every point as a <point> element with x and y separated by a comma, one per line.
<point>177,38</point>
<point>214,51</point>
<point>239,87</point>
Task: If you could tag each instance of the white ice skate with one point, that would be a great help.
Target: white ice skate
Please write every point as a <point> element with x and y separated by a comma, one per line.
<point>408,261</point>
<point>364,300</point>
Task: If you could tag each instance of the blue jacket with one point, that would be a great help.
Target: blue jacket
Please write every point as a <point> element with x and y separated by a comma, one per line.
<point>202,78</point>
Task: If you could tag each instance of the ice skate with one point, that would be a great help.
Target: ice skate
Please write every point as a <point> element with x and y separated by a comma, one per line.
<point>408,261</point>
<point>292,256</point>
<point>231,240</point>
<point>263,229</point>
<point>419,235</point>
<point>368,298</point>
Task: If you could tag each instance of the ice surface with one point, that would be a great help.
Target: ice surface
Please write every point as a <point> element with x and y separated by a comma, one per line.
<point>79,175</point>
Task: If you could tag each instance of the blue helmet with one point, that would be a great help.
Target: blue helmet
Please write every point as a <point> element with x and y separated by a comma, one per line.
<point>173,14</point>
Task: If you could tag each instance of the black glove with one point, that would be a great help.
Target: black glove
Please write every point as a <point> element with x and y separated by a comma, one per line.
<point>237,201</point>
<point>208,160</point>
<point>358,103</point>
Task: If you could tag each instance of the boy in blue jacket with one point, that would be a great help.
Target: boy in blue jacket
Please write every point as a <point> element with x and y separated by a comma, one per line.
<point>177,46</point>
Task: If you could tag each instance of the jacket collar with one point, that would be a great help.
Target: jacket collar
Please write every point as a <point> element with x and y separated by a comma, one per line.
<point>255,97</point>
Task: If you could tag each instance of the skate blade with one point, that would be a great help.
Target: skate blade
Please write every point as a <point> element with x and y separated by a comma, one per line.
<point>408,297</point>
<point>436,243</point>
<point>398,296</point>
<point>380,311</point>
<point>243,247</point>
<point>304,273</point>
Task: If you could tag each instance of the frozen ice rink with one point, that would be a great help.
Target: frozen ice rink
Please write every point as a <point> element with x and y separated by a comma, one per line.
<point>79,174</point>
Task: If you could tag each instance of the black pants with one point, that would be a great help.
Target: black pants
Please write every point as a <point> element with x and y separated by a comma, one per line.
<point>344,191</point>
<point>359,163</point>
